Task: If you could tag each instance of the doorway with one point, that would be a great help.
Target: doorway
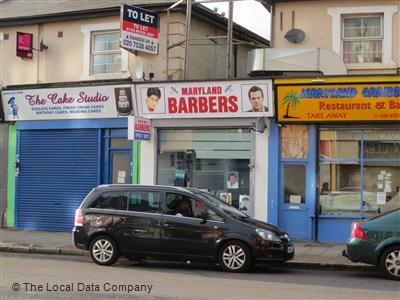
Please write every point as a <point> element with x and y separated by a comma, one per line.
<point>117,153</point>
<point>297,180</point>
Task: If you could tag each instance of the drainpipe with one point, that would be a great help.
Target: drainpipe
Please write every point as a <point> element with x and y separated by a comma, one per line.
<point>187,36</point>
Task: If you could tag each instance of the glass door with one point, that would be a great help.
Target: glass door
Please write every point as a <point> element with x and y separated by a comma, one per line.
<point>120,167</point>
<point>116,157</point>
<point>293,207</point>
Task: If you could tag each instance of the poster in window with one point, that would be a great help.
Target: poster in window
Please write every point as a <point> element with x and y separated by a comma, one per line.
<point>226,197</point>
<point>233,180</point>
<point>244,203</point>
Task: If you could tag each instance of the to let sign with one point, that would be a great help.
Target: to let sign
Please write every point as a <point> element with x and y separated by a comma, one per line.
<point>24,45</point>
<point>139,129</point>
<point>139,29</point>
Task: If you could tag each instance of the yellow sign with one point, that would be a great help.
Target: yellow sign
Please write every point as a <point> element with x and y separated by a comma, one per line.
<point>339,102</point>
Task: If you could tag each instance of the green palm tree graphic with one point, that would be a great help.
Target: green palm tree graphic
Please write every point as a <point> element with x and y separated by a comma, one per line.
<point>291,99</point>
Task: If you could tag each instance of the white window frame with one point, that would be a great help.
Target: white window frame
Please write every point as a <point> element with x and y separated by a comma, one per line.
<point>103,52</point>
<point>87,31</point>
<point>361,39</point>
<point>337,13</point>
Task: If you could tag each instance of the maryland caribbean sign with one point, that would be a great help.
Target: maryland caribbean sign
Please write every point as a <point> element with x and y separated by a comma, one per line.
<point>336,101</point>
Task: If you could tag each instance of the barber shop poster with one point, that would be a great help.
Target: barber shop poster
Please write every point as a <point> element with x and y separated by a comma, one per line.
<point>213,99</point>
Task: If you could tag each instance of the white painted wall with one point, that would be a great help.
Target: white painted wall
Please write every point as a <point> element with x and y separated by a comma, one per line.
<point>261,175</point>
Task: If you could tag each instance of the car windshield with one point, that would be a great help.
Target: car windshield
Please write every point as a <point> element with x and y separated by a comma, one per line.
<point>221,205</point>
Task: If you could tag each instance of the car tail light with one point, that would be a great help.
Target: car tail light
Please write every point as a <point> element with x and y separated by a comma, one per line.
<point>78,217</point>
<point>357,232</point>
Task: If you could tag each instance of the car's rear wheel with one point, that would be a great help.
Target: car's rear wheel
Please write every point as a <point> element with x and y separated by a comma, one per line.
<point>103,250</point>
<point>390,262</point>
<point>234,256</point>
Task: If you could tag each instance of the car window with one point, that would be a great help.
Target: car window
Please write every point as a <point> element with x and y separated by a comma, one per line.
<point>220,205</point>
<point>107,200</point>
<point>213,216</point>
<point>142,201</point>
<point>183,206</point>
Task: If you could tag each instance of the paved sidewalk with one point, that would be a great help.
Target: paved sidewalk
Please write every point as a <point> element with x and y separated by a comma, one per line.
<point>307,254</point>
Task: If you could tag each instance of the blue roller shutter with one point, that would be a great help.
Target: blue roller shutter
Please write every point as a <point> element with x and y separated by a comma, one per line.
<point>57,169</point>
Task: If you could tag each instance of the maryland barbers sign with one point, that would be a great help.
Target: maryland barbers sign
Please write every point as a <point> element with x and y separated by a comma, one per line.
<point>205,99</point>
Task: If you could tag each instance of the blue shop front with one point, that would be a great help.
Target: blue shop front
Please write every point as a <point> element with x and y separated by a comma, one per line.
<point>67,140</point>
<point>335,154</point>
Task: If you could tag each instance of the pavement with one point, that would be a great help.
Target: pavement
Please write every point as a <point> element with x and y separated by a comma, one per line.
<point>307,254</point>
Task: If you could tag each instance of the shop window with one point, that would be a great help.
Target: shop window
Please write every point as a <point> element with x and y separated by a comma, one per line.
<point>102,56</point>
<point>295,141</point>
<point>216,161</point>
<point>367,184</point>
<point>381,144</point>
<point>362,38</point>
<point>340,188</point>
<point>339,144</point>
<point>382,182</point>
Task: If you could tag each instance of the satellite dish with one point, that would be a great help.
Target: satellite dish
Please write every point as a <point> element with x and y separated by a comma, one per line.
<point>138,68</point>
<point>295,36</point>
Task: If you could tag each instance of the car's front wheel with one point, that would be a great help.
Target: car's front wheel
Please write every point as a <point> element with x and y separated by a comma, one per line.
<point>103,250</point>
<point>234,256</point>
<point>390,262</point>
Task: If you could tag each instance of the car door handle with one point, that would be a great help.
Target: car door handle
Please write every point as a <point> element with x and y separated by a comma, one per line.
<point>119,220</point>
<point>165,224</point>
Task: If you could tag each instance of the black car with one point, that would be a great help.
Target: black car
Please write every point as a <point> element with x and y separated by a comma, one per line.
<point>172,223</point>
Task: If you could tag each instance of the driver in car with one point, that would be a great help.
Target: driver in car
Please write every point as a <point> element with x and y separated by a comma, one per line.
<point>183,209</point>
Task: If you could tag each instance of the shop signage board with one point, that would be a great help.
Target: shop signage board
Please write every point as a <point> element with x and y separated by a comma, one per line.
<point>339,102</point>
<point>139,29</point>
<point>205,99</point>
<point>68,103</point>
<point>139,129</point>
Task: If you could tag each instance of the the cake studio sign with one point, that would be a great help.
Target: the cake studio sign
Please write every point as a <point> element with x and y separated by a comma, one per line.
<point>68,103</point>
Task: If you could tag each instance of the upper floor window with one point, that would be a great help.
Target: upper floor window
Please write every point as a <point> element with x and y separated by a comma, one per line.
<point>106,53</point>
<point>363,35</point>
<point>362,38</point>
<point>102,56</point>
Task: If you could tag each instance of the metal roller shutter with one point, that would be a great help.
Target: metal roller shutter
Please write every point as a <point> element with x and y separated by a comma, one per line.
<point>57,169</point>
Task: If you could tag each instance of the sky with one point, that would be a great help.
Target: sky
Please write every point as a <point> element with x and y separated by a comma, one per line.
<point>250,14</point>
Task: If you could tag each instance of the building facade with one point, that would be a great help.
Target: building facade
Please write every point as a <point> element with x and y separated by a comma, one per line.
<point>335,163</point>
<point>67,103</point>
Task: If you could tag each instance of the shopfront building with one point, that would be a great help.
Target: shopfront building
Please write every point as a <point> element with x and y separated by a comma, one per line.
<point>67,140</point>
<point>209,136</point>
<point>338,144</point>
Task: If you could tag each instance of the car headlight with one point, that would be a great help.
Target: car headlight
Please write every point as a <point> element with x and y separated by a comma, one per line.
<point>285,236</point>
<point>267,235</point>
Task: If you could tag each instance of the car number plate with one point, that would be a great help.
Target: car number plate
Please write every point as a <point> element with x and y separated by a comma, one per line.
<point>290,249</point>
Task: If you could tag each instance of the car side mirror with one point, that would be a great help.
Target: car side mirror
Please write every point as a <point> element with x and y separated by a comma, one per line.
<point>204,218</point>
